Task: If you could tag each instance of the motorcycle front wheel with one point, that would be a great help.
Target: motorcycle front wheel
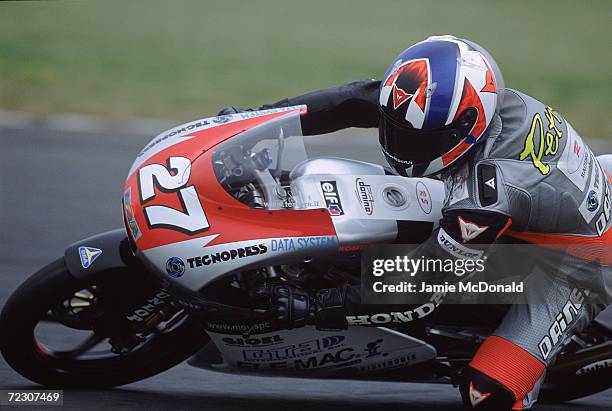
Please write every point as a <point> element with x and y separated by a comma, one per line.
<point>52,297</point>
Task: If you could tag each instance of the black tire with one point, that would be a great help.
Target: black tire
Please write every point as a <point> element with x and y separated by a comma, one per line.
<point>48,287</point>
<point>564,384</point>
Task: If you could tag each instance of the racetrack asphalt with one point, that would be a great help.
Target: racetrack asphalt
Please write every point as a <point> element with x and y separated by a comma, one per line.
<point>60,186</point>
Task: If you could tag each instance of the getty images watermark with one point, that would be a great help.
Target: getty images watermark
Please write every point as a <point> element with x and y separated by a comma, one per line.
<point>404,274</point>
<point>448,267</point>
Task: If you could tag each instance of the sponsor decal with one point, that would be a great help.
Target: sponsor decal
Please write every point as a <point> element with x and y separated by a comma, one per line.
<point>596,366</point>
<point>129,214</point>
<point>307,348</point>
<point>576,161</point>
<point>456,249</point>
<point>175,267</point>
<point>142,312</point>
<point>604,217</point>
<point>252,341</point>
<point>88,255</point>
<point>487,184</point>
<point>372,349</point>
<point>332,198</point>
<point>364,195</point>
<point>563,320</point>
<point>237,328</point>
<point>301,243</point>
<point>340,358</point>
<point>541,142</point>
<point>396,316</point>
<point>324,353</point>
<point>179,130</point>
<point>221,119</point>
<point>594,193</point>
<point>399,96</point>
<point>227,255</point>
<point>469,230</point>
<point>250,114</point>
<point>592,203</point>
<point>423,197</point>
<point>476,397</point>
<point>390,363</point>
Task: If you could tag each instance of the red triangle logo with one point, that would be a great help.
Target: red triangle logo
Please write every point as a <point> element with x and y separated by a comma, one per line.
<point>476,397</point>
<point>399,96</point>
<point>490,84</point>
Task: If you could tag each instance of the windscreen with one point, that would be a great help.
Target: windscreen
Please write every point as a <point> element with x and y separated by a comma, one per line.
<point>254,166</point>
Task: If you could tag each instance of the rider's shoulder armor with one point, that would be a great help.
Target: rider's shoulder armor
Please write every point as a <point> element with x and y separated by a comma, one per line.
<point>535,169</point>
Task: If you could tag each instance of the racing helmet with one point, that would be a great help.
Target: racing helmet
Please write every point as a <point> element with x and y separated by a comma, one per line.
<point>436,101</point>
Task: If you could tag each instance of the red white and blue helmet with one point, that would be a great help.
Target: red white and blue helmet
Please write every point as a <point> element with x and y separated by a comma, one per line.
<point>437,99</point>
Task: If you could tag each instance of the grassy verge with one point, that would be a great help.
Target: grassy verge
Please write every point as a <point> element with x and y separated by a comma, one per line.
<point>183,59</point>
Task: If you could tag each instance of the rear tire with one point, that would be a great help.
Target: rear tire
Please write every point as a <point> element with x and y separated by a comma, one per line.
<point>51,285</point>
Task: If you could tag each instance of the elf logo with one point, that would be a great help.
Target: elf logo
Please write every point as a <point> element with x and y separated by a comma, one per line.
<point>332,198</point>
<point>88,255</point>
<point>491,183</point>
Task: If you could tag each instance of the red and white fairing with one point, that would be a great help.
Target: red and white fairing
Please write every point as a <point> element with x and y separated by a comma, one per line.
<point>179,215</point>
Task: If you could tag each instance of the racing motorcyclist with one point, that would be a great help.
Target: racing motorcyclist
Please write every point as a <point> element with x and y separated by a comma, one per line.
<point>512,167</point>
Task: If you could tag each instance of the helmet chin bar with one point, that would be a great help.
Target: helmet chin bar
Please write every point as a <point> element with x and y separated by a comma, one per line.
<point>395,139</point>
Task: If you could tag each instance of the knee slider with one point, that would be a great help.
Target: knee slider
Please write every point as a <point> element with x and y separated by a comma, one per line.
<point>483,393</point>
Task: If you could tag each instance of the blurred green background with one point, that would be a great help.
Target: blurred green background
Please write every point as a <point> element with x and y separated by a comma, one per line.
<point>186,59</point>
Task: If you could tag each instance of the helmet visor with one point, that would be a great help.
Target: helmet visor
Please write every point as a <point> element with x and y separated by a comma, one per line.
<point>417,146</point>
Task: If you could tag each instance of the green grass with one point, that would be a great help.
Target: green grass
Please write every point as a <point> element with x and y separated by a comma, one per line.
<point>184,59</point>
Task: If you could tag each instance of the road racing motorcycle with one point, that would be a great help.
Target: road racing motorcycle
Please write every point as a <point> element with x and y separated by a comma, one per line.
<point>216,212</point>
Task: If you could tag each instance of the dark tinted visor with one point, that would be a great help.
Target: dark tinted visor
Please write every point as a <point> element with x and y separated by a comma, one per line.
<point>422,146</point>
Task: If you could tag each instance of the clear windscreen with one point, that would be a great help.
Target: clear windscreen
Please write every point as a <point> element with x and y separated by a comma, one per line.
<point>254,166</point>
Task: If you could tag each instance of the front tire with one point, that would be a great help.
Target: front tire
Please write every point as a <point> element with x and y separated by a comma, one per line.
<point>30,305</point>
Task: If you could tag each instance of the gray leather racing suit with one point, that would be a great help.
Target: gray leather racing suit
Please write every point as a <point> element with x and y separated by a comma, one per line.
<point>533,179</point>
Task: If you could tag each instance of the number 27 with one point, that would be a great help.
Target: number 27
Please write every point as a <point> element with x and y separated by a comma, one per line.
<point>190,221</point>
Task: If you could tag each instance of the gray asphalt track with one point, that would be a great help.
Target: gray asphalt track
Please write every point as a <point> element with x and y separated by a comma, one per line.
<point>58,187</point>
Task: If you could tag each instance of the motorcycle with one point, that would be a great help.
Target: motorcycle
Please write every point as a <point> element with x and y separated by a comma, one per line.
<point>218,210</point>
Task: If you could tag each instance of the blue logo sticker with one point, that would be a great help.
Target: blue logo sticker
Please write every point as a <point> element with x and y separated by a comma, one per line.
<point>89,255</point>
<point>175,267</point>
<point>592,202</point>
<point>221,119</point>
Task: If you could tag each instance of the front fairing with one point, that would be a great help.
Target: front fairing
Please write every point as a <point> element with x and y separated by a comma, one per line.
<point>253,192</point>
<point>226,234</point>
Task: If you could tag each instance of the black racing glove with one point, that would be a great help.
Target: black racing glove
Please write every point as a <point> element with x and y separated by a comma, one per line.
<point>294,308</point>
